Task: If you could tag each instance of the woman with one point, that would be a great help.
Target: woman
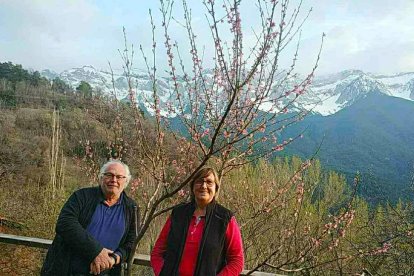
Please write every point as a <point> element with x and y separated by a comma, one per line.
<point>200,237</point>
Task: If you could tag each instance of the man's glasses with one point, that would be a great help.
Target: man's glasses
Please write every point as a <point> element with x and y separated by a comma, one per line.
<point>111,175</point>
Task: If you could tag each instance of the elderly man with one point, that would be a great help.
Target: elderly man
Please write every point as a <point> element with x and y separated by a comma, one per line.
<point>96,227</point>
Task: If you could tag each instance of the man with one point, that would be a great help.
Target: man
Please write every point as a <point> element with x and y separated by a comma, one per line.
<point>96,227</point>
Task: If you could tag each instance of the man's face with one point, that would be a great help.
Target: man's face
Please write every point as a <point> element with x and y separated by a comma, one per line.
<point>204,190</point>
<point>114,180</point>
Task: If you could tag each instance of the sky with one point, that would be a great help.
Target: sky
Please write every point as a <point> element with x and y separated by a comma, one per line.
<point>375,36</point>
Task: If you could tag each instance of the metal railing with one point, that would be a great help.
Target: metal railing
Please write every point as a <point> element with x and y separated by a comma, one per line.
<point>139,259</point>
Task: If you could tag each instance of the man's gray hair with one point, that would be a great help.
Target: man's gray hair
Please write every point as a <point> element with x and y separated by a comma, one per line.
<point>112,162</point>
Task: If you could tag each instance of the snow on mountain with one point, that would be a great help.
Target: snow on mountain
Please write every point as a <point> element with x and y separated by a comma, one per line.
<point>345,88</point>
<point>98,79</point>
<point>327,94</point>
<point>400,85</point>
<point>114,83</point>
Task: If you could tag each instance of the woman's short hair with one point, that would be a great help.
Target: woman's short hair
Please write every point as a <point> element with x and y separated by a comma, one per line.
<point>111,162</point>
<point>202,173</point>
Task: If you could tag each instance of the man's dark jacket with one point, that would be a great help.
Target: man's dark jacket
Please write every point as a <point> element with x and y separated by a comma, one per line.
<point>71,235</point>
<point>212,252</point>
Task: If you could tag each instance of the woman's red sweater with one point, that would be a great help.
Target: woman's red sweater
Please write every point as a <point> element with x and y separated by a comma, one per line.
<point>234,252</point>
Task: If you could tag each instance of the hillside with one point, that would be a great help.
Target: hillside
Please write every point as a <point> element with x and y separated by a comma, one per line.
<point>365,123</point>
<point>374,136</point>
<point>310,210</point>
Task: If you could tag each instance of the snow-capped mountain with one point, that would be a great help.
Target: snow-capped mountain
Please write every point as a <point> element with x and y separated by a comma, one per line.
<point>372,133</point>
<point>115,83</point>
<point>98,79</point>
<point>327,94</point>
<point>345,88</point>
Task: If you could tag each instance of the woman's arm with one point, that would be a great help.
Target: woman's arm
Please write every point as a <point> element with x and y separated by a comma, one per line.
<point>157,253</point>
<point>234,250</point>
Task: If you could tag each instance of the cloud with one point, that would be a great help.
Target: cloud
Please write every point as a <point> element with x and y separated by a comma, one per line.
<point>369,35</point>
<point>53,34</point>
<point>372,35</point>
<point>54,19</point>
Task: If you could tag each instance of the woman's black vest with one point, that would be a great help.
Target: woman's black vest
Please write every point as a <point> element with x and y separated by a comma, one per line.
<point>212,253</point>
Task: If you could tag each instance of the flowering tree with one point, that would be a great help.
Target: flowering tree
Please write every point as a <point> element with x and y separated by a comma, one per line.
<point>286,229</point>
<point>229,115</point>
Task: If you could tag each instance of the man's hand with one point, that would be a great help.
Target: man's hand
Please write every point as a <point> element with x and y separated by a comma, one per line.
<point>102,262</point>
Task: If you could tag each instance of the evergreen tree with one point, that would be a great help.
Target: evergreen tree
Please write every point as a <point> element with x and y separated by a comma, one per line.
<point>60,86</point>
<point>85,89</point>
<point>13,73</point>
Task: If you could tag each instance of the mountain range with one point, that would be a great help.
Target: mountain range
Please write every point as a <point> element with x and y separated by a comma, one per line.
<point>363,123</point>
<point>326,96</point>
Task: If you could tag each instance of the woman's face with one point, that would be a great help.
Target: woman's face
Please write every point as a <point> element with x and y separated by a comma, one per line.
<point>204,190</point>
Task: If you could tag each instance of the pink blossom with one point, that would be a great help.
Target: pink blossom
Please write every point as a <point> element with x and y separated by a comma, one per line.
<point>262,128</point>
<point>181,193</point>
<point>278,148</point>
<point>316,242</point>
<point>386,246</point>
